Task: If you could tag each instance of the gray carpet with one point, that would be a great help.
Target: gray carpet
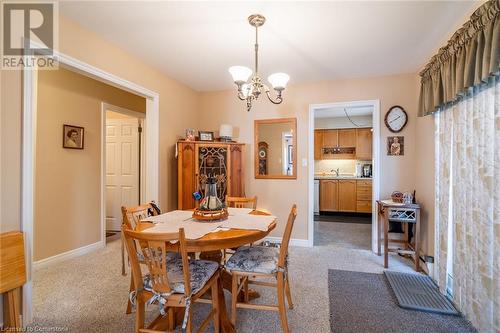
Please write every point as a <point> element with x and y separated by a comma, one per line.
<point>88,293</point>
<point>364,302</point>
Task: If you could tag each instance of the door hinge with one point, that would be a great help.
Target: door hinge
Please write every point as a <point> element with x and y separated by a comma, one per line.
<point>139,129</point>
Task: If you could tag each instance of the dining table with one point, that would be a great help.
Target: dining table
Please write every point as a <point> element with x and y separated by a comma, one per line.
<point>242,226</point>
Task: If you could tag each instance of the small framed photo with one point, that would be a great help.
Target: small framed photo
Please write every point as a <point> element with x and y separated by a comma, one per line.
<point>395,145</point>
<point>190,134</point>
<point>206,136</point>
<point>73,136</point>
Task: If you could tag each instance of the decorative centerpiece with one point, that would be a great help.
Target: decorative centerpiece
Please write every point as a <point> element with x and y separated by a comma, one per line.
<point>211,207</point>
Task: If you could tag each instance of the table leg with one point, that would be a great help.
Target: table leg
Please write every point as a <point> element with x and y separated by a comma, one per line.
<point>225,324</point>
<point>379,232</point>
<point>417,240</point>
<point>386,239</point>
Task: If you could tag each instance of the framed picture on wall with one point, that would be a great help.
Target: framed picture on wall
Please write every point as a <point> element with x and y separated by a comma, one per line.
<point>395,145</point>
<point>73,136</point>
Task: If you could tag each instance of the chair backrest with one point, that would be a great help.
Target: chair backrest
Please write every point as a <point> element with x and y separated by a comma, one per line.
<point>286,236</point>
<point>241,202</point>
<point>154,250</point>
<point>132,215</point>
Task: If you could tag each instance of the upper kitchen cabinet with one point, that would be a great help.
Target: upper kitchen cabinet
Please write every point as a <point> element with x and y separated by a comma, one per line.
<point>318,144</point>
<point>349,144</point>
<point>364,144</point>
<point>347,138</point>
<point>330,138</point>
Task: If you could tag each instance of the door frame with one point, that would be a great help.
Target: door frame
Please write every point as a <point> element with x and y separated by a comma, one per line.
<point>376,164</point>
<point>142,158</point>
<point>152,142</point>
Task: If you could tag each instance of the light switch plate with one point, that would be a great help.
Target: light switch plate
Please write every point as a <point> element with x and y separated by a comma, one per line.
<point>304,162</point>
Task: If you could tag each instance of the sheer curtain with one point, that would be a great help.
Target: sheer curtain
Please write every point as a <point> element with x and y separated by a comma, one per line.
<point>468,198</point>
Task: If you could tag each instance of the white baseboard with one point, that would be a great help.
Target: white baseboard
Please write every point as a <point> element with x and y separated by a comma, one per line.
<point>293,241</point>
<point>68,255</point>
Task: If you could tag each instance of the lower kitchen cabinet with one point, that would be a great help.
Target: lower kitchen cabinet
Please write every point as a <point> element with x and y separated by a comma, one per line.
<point>329,195</point>
<point>347,195</point>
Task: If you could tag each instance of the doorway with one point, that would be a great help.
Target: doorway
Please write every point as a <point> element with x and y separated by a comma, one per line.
<point>124,158</point>
<point>344,174</point>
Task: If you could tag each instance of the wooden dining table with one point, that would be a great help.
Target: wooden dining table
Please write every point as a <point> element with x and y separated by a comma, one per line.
<point>211,247</point>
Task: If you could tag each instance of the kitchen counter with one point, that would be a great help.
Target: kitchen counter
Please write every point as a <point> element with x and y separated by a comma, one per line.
<point>319,177</point>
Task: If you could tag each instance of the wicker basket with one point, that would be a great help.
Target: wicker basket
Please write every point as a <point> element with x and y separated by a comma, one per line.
<point>210,215</point>
<point>397,196</point>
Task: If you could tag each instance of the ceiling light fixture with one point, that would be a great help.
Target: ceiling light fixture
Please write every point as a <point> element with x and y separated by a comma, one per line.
<point>250,90</point>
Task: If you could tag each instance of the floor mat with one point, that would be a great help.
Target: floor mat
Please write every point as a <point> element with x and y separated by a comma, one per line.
<point>418,292</point>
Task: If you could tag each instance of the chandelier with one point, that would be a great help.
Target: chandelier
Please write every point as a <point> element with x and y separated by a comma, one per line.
<point>250,91</point>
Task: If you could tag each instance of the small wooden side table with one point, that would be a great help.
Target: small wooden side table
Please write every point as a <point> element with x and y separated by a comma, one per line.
<point>390,211</point>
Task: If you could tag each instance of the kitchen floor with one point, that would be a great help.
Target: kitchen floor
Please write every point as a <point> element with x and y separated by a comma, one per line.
<point>343,231</point>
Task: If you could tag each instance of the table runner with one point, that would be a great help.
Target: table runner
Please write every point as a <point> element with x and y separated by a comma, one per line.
<point>239,218</point>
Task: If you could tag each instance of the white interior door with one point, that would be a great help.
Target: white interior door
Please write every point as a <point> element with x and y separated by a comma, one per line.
<point>122,168</point>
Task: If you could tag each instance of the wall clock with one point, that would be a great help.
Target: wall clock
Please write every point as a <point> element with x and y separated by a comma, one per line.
<point>396,119</point>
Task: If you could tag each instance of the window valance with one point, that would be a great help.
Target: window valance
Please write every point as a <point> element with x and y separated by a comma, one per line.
<point>470,57</point>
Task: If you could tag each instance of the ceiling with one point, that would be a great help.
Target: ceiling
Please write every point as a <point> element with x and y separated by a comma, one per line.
<point>196,42</point>
<point>337,112</point>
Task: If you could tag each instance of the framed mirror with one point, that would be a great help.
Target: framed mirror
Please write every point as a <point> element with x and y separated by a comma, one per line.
<point>275,145</point>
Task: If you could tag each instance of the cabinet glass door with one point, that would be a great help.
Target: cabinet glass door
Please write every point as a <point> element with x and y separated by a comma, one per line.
<point>213,160</point>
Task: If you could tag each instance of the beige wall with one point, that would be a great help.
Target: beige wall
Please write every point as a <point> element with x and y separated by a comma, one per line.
<point>178,110</point>
<point>67,181</point>
<point>397,173</point>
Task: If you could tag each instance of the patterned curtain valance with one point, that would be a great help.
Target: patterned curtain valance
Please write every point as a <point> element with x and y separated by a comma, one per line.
<point>471,56</point>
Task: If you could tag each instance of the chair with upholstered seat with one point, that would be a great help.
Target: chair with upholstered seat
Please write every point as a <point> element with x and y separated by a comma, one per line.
<point>250,262</point>
<point>239,202</point>
<point>170,282</point>
<point>131,218</point>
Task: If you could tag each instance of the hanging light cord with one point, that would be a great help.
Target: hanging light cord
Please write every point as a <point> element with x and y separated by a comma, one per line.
<point>357,125</point>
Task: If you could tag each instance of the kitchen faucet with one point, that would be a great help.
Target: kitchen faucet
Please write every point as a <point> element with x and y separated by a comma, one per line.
<point>337,171</point>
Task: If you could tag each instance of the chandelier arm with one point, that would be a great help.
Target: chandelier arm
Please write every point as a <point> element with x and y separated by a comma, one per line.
<point>278,99</point>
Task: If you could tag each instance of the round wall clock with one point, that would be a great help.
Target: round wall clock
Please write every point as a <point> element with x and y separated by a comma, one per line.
<point>396,119</point>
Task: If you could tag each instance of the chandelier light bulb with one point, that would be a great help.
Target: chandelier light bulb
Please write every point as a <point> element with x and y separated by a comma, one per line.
<point>240,74</point>
<point>278,80</point>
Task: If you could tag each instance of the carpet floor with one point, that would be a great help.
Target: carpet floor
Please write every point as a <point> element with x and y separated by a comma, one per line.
<point>377,310</point>
<point>89,294</point>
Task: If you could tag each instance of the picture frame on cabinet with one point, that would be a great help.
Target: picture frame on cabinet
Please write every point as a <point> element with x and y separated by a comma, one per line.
<point>206,136</point>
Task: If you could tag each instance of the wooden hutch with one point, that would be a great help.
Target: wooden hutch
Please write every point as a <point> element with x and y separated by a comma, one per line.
<point>197,159</point>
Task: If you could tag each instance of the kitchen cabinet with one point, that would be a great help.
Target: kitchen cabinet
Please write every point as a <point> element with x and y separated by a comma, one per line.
<point>347,138</point>
<point>364,144</point>
<point>345,195</point>
<point>349,143</point>
<point>330,138</point>
<point>318,144</point>
<point>328,195</point>
<point>364,196</point>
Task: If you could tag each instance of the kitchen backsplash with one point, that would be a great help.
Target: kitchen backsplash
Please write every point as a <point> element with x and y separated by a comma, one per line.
<point>345,166</point>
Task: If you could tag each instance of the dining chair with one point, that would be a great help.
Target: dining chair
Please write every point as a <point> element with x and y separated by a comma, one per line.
<point>250,262</point>
<point>241,202</point>
<point>131,218</point>
<point>170,282</point>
